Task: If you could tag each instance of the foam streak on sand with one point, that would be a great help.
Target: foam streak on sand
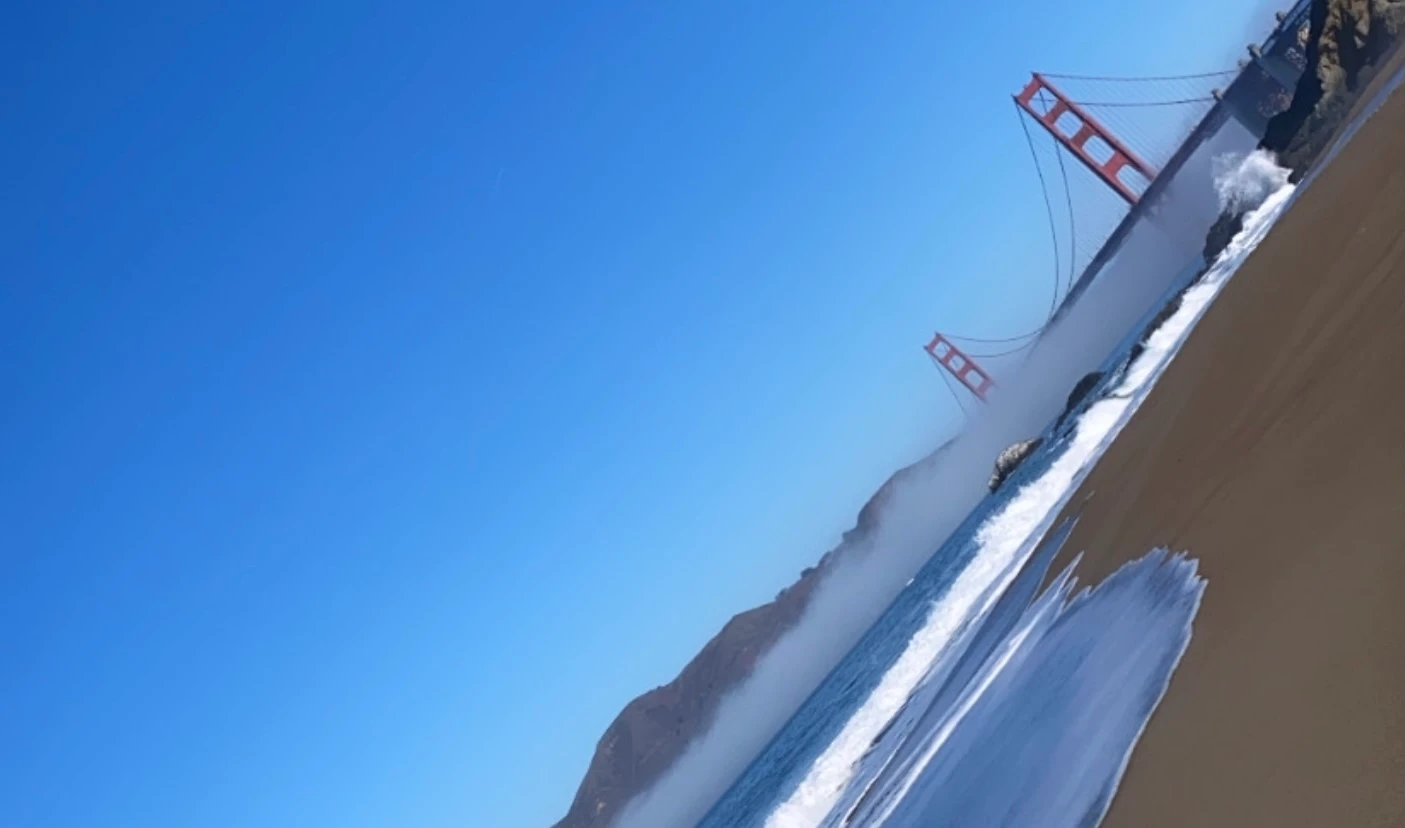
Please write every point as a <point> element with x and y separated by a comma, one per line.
<point>1071,690</point>
<point>1006,540</point>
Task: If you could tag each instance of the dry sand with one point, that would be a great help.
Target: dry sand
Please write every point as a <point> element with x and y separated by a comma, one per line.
<point>1273,450</point>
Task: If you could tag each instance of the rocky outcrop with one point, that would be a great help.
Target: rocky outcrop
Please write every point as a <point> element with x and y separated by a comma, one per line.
<point>1347,40</point>
<point>652,731</point>
<point>1225,228</point>
<point>1080,390</point>
<point>1167,311</point>
<point>1010,459</point>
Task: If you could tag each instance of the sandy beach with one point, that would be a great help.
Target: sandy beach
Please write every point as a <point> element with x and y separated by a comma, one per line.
<point>1273,450</point>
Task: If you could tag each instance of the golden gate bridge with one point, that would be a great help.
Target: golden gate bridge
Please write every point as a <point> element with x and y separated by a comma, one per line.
<point>1104,149</point>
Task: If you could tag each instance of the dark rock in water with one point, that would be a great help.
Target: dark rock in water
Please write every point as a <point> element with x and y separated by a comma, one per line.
<point>1221,232</point>
<point>1156,321</point>
<point>1080,390</point>
<point>1010,459</point>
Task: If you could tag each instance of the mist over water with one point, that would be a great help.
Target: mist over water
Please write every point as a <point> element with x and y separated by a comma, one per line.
<point>925,509</point>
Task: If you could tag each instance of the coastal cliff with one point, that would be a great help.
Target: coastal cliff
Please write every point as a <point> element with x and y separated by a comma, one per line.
<point>1348,41</point>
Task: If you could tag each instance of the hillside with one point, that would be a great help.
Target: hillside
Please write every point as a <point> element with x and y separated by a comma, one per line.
<point>653,729</point>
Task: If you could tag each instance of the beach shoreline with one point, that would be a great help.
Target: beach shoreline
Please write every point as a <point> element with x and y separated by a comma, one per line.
<point>1273,451</point>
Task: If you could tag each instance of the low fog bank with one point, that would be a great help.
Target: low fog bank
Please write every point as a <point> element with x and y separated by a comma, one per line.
<point>926,507</point>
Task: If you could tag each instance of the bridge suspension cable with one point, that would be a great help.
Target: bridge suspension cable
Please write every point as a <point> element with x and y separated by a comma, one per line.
<point>1004,341</point>
<point>1143,78</point>
<point>1072,234</point>
<point>1049,213</point>
<point>1182,101</point>
<point>1006,352</point>
<point>954,395</point>
<point>1027,338</point>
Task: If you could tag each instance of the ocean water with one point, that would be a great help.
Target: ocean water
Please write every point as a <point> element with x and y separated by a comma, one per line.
<point>977,698</point>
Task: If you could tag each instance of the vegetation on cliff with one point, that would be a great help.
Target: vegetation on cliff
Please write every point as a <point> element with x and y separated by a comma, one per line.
<point>1348,40</point>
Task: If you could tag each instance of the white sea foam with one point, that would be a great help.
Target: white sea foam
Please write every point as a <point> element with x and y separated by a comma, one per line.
<point>1243,182</point>
<point>1007,538</point>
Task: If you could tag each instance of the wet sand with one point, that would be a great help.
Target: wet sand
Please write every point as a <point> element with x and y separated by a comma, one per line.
<point>1273,450</point>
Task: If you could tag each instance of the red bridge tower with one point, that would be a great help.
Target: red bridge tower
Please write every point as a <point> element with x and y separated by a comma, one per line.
<point>960,365</point>
<point>1073,127</point>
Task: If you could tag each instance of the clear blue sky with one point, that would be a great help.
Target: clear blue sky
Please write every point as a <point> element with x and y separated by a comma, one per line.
<point>393,390</point>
